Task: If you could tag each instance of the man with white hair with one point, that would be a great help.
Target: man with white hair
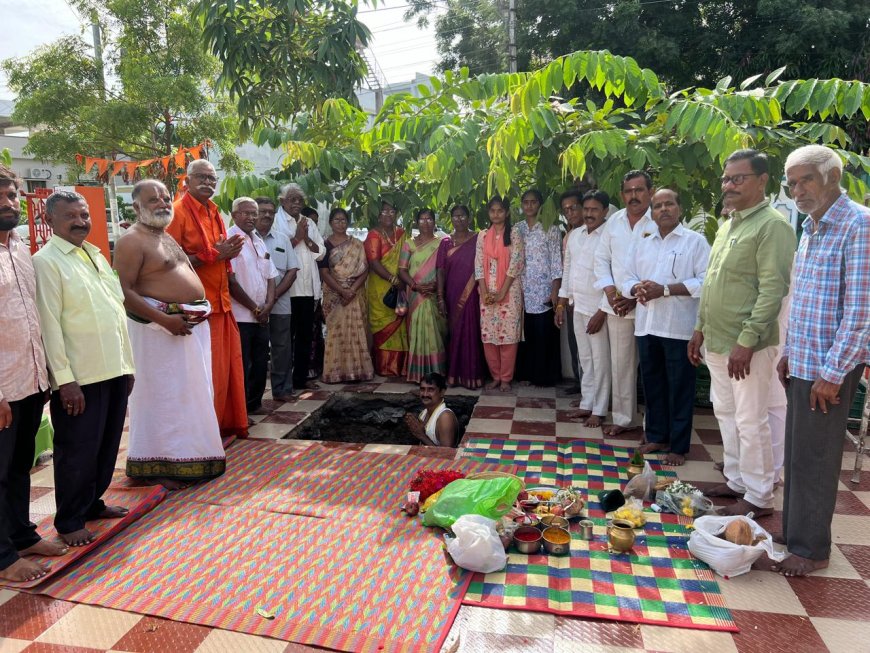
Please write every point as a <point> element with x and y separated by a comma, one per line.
<point>827,347</point>
<point>308,244</point>
<point>174,435</point>
<point>200,230</point>
<point>252,287</point>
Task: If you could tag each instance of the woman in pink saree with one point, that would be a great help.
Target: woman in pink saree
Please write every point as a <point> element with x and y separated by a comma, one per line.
<point>459,300</point>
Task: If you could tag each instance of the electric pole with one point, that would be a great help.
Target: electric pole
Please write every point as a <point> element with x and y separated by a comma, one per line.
<point>512,36</point>
<point>113,192</point>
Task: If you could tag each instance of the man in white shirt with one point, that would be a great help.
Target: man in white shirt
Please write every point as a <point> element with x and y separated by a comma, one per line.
<point>307,242</point>
<point>590,321</point>
<point>665,274</point>
<point>252,288</point>
<point>284,260</point>
<point>622,230</point>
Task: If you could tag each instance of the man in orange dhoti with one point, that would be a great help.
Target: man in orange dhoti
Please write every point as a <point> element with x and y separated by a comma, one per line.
<point>200,230</point>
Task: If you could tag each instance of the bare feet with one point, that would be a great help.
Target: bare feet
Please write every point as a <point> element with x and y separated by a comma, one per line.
<point>492,385</point>
<point>45,548</point>
<point>614,430</point>
<point>171,484</point>
<point>81,537</point>
<point>288,397</point>
<point>673,459</point>
<point>796,565</point>
<point>113,512</point>
<point>723,490</point>
<point>743,507</point>
<point>505,386</point>
<point>720,466</point>
<point>580,414</point>
<point>593,421</point>
<point>22,571</point>
<point>575,403</point>
<point>651,447</point>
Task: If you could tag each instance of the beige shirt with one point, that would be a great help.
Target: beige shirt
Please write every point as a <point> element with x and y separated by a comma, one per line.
<point>22,358</point>
<point>81,309</point>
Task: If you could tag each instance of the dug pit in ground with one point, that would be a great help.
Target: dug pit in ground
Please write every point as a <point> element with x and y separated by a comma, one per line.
<point>374,418</point>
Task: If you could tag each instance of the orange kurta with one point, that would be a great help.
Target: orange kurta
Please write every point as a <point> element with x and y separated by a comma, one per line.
<point>197,228</point>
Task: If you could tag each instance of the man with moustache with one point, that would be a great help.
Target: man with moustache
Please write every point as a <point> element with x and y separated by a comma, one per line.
<point>308,244</point>
<point>624,228</point>
<point>90,362</point>
<point>174,435</point>
<point>665,273</point>
<point>746,281</point>
<point>284,259</point>
<point>252,287</point>
<point>23,392</point>
<point>590,321</point>
<point>827,349</point>
<point>571,206</point>
<point>198,227</point>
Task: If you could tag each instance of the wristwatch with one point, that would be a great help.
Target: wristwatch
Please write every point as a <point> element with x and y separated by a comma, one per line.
<point>667,291</point>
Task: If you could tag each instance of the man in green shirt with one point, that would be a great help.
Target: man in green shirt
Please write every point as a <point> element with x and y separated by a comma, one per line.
<point>746,281</point>
<point>90,362</point>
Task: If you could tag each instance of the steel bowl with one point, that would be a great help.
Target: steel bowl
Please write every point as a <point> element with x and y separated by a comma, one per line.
<point>553,547</point>
<point>530,547</point>
<point>554,520</point>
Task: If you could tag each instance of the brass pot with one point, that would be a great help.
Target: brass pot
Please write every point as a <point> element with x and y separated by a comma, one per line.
<point>620,535</point>
<point>634,470</point>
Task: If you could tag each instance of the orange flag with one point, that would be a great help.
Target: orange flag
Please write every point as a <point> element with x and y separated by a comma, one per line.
<point>89,163</point>
<point>117,166</point>
<point>131,168</point>
<point>102,166</point>
<point>180,157</point>
<point>196,152</point>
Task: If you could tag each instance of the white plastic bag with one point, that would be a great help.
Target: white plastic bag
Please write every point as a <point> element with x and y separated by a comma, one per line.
<point>477,546</point>
<point>643,485</point>
<point>724,557</point>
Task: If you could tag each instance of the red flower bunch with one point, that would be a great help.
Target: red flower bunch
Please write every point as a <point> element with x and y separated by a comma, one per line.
<point>429,481</point>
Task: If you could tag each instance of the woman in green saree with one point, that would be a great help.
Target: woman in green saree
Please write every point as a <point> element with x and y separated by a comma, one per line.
<point>428,326</point>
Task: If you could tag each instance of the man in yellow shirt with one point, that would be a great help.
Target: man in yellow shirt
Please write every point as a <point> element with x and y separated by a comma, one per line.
<point>90,362</point>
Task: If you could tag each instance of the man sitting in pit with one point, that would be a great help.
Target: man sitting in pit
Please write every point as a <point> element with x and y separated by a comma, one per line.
<point>436,425</point>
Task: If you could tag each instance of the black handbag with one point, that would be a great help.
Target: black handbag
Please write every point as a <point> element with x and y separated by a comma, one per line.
<point>391,299</point>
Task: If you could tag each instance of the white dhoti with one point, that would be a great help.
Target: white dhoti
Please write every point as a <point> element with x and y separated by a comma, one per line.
<point>174,431</point>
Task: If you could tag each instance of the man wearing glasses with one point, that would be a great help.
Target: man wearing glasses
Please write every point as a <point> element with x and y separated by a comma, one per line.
<point>746,281</point>
<point>202,234</point>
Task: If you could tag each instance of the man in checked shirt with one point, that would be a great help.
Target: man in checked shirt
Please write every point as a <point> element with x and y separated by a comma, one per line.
<point>827,347</point>
<point>23,392</point>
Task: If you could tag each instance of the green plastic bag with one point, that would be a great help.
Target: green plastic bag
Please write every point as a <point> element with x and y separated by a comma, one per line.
<point>491,497</point>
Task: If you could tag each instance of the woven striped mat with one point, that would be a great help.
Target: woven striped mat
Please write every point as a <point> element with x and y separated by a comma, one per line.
<point>657,582</point>
<point>350,572</point>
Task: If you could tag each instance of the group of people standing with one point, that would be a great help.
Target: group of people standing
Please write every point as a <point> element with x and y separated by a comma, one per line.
<point>197,310</point>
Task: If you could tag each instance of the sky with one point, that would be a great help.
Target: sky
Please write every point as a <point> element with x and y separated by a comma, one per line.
<point>400,48</point>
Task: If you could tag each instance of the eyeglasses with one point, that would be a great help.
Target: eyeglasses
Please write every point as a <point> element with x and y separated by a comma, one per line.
<point>737,180</point>
<point>208,178</point>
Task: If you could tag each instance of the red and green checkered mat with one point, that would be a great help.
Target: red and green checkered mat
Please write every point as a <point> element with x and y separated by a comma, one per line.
<point>365,578</point>
<point>658,582</point>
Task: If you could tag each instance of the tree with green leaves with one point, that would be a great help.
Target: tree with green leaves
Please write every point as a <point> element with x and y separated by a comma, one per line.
<point>689,43</point>
<point>281,57</point>
<point>470,137</point>
<point>157,95</point>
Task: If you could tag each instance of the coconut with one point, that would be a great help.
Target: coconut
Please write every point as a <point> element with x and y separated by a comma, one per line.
<point>739,532</point>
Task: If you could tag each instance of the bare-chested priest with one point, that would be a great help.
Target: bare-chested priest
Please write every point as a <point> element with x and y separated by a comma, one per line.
<point>174,435</point>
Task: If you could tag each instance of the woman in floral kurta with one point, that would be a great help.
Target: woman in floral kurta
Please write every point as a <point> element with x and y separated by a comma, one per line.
<point>498,263</point>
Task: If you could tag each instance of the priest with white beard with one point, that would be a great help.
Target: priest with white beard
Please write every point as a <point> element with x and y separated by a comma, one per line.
<point>174,435</point>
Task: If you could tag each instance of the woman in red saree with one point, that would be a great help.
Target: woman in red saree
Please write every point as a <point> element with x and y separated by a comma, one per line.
<point>389,333</point>
<point>344,270</point>
<point>459,300</point>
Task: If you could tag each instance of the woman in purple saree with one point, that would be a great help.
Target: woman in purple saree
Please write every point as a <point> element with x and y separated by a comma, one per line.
<point>459,300</point>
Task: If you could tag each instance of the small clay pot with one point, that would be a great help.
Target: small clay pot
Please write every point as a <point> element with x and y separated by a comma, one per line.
<point>620,535</point>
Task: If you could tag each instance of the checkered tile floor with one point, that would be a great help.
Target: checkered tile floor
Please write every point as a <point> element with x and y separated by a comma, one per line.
<point>829,611</point>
